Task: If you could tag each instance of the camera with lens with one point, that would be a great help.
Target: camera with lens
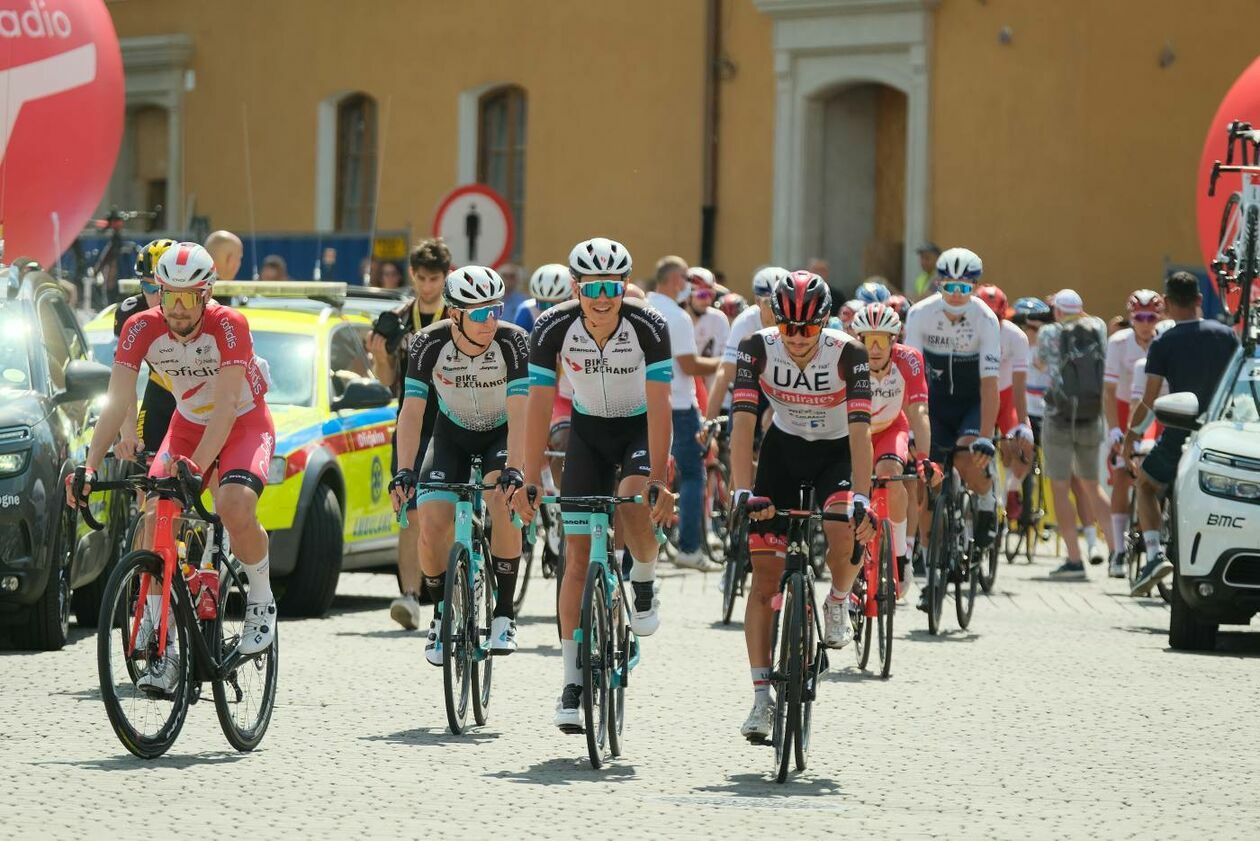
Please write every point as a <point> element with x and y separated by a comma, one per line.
<point>392,325</point>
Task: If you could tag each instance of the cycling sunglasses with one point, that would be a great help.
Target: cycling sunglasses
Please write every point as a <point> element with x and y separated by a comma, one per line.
<point>480,315</point>
<point>148,287</point>
<point>877,340</point>
<point>595,288</point>
<point>807,330</point>
<point>187,299</point>
<point>957,287</point>
<point>1144,317</point>
<point>702,294</point>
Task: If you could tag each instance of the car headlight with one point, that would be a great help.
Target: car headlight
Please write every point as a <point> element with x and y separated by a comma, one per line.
<point>13,463</point>
<point>1229,487</point>
<point>277,469</point>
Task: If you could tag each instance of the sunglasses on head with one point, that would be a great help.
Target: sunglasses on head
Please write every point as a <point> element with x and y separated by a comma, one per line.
<point>480,315</point>
<point>807,330</point>
<point>1144,317</point>
<point>595,288</point>
<point>148,287</point>
<point>876,340</point>
<point>185,298</point>
<point>957,287</point>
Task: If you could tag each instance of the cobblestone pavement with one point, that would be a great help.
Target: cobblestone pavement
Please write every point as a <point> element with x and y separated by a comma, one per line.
<point>1062,713</point>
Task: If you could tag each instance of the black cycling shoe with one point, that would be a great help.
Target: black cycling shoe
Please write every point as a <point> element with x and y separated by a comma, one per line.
<point>1154,572</point>
<point>985,527</point>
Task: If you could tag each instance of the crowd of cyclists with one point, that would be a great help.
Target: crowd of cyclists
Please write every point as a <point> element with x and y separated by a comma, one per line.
<point>597,386</point>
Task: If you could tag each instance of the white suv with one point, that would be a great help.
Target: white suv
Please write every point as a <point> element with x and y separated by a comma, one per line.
<point>1215,517</point>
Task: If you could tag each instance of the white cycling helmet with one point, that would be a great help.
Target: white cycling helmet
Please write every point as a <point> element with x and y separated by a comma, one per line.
<point>185,265</point>
<point>702,277</point>
<point>959,264</point>
<point>600,256</point>
<point>473,286</point>
<point>875,318</point>
<point>766,279</point>
<point>1162,327</point>
<point>551,283</point>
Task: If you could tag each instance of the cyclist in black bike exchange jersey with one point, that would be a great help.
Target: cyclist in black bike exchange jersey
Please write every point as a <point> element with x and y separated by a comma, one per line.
<point>474,365</point>
<point>818,384</point>
<point>616,355</point>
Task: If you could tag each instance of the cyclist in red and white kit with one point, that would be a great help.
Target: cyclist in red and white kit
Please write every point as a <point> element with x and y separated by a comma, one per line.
<point>899,399</point>
<point>221,423</point>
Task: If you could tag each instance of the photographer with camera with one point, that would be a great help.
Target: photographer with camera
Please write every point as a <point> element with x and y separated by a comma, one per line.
<point>389,344</point>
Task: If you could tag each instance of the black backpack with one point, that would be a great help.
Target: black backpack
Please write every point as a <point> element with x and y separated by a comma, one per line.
<point>1082,356</point>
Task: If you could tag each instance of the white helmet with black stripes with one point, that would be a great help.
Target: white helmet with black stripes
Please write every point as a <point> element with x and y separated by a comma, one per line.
<point>600,256</point>
<point>959,264</point>
<point>551,283</point>
<point>473,286</point>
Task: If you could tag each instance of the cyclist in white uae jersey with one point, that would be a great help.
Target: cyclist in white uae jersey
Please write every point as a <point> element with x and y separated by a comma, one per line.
<point>475,365</point>
<point>960,341</point>
<point>818,382</point>
<point>616,354</point>
<point>221,424</point>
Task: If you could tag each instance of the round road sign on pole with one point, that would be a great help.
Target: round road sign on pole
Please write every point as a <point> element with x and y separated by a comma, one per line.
<point>477,225</point>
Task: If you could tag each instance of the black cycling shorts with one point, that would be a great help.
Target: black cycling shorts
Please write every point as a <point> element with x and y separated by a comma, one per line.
<point>449,455</point>
<point>787,461</point>
<point>154,417</point>
<point>598,448</point>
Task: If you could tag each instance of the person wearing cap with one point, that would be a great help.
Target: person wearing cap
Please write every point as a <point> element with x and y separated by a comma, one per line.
<point>1072,351</point>
<point>929,253</point>
<point>752,319</point>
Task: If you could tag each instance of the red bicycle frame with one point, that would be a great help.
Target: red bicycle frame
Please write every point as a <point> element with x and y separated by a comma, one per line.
<point>168,510</point>
<point>870,563</point>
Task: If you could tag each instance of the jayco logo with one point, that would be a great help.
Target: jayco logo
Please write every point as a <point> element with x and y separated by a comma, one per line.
<point>35,22</point>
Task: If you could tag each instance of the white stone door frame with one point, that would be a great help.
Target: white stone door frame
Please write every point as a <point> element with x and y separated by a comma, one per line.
<point>820,48</point>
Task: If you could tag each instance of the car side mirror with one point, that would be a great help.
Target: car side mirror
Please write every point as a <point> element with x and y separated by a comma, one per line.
<point>84,381</point>
<point>363,393</point>
<point>1180,410</point>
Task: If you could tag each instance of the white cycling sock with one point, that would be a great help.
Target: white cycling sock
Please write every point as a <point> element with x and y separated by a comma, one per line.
<point>1013,483</point>
<point>761,684</point>
<point>569,654</point>
<point>838,595</point>
<point>899,538</point>
<point>643,571</point>
<point>1119,528</point>
<point>1153,546</point>
<point>1091,538</point>
<point>988,502</point>
<point>259,577</point>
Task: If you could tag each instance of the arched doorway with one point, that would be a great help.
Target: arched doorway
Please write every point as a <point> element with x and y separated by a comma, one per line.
<point>861,200</point>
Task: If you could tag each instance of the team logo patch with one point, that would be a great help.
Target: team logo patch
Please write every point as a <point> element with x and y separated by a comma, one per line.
<point>378,479</point>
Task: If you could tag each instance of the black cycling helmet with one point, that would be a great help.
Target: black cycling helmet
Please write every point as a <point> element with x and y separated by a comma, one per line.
<point>801,298</point>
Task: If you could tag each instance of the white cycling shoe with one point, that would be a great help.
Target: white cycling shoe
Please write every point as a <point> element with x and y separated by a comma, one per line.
<point>502,635</point>
<point>260,627</point>
<point>162,676</point>
<point>644,623</point>
<point>837,630</point>
<point>569,710</point>
<point>433,648</point>
<point>405,610</point>
<point>760,722</point>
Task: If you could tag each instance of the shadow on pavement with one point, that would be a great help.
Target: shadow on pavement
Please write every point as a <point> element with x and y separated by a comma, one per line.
<point>1228,644</point>
<point>955,635</point>
<point>563,772</point>
<point>347,604</point>
<point>760,785</point>
<point>394,633</point>
<point>851,674</point>
<point>127,762</point>
<point>93,694</point>
<point>735,625</point>
<point>434,736</point>
<point>77,634</point>
<point>546,649</point>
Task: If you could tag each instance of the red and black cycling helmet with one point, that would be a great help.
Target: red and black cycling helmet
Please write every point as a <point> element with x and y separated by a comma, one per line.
<point>801,298</point>
<point>1145,300</point>
<point>899,304</point>
<point>994,298</point>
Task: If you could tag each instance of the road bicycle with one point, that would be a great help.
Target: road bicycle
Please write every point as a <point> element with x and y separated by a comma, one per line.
<point>738,565</point>
<point>874,597</point>
<point>551,560</point>
<point>1135,545</point>
<point>608,651</point>
<point>951,556</point>
<point>1236,265</point>
<point>1024,533</point>
<point>179,605</point>
<point>717,486</point>
<point>467,608</point>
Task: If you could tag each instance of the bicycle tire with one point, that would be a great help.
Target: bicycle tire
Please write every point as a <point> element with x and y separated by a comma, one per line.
<point>1013,543</point>
<point>622,654</point>
<point>559,573</point>
<point>965,588</point>
<point>938,562</point>
<point>480,619</point>
<point>992,555</point>
<point>735,572</point>
<point>787,694</point>
<point>594,652</point>
<point>522,580</point>
<point>456,648</point>
<point>885,600</point>
<point>862,631</point>
<point>811,657</point>
<point>117,611</point>
<point>243,738</point>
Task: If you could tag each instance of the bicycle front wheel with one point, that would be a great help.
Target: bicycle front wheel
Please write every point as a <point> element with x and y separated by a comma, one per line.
<point>862,626</point>
<point>965,587</point>
<point>595,651</point>
<point>624,653</point>
<point>988,566</point>
<point>789,675</point>
<point>245,697</point>
<point>885,600</point>
<point>480,619</point>
<point>736,570</point>
<point>457,647</point>
<point>939,546</point>
<point>147,721</point>
<point>522,580</point>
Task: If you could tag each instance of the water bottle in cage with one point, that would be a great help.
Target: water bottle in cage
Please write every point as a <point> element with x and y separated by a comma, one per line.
<point>208,576</point>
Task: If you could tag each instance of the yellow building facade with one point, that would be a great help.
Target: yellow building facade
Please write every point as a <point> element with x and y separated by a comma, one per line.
<point>1057,139</point>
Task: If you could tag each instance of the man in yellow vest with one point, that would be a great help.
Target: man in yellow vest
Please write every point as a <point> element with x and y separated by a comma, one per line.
<point>928,253</point>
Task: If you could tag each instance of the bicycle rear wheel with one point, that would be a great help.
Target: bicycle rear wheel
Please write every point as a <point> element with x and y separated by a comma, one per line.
<point>595,653</point>
<point>862,630</point>
<point>246,697</point>
<point>965,588</point>
<point>988,566</point>
<point>939,548</point>
<point>735,573</point>
<point>624,645</point>
<point>786,676</point>
<point>147,723</point>
<point>811,658</point>
<point>522,580</point>
<point>1013,542</point>
<point>479,620</point>
<point>457,646</point>
<point>885,600</point>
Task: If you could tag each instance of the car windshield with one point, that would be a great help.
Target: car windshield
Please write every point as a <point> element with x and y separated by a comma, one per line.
<point>291,359</point>
<point>1242,402</point>
<point>15,360</point>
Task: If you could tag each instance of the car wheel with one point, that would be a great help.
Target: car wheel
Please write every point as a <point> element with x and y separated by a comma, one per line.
<point>48,624</point>
<point>1186,631</point>
<point>310,588</point>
